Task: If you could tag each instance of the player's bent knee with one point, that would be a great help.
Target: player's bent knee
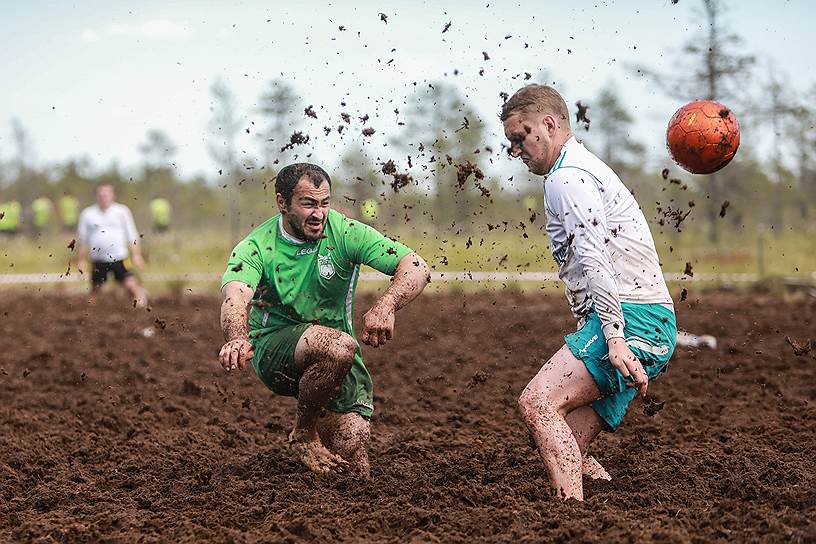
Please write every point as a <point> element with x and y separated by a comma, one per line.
<point>526,407</point>
<point>343,349</point>
<point>535,407</point>
<point>327,346</point>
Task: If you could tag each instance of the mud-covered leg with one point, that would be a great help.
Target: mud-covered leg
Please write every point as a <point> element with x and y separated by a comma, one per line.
<point>562,385</point>
<point>586,425</point>
<point>325,355</point>
<point>347,435</point>
<point>137,292</point>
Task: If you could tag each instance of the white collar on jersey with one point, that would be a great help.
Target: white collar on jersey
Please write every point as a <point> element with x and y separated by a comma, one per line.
<point>288,236</point>
<point>105,211</point>
<point>571,142</point>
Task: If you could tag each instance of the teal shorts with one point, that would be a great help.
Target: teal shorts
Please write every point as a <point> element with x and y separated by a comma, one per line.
<point>650,331</point>
<point>274,363</point>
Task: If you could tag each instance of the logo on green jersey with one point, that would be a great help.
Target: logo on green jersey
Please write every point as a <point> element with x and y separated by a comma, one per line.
<point>326,266</point>
<point>306,251</point>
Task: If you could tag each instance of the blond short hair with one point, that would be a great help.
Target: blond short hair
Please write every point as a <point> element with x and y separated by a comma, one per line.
<point>536,98</point>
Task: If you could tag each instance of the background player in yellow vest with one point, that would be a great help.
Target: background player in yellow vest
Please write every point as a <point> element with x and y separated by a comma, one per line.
<point>9,217</point>
<point>369,209</point>
<point>69,212</point>
<point>42,211</point>
<point>298,271</point>
<point>161,212</point>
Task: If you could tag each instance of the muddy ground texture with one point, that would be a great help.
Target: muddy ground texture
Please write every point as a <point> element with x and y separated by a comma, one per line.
<point>106,434</point>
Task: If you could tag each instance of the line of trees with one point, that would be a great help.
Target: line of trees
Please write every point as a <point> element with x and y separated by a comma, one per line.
<point>436,173</point>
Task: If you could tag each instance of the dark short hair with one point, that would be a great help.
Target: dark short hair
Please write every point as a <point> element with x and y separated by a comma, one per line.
<point>536,98</point>
<point>288,178</point>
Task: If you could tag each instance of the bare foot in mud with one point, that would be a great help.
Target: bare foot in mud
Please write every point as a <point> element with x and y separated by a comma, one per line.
<point>593,469</point>
<point>140,302</point>
<point>314,454</point>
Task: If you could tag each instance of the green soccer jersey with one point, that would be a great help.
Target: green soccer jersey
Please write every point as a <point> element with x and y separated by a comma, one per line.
<point>308,282</point>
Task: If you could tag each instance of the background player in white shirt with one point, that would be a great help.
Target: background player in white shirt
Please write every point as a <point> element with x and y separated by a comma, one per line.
<point>108,234</point>
<point>607,259</point>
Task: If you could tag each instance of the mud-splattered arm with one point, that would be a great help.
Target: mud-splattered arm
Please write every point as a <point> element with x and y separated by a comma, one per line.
<point>236,352</point>
<point>410,278</point>
<point>236,299</point>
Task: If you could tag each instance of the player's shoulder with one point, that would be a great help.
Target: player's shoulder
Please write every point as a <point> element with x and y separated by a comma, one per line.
<point>89,211</point>
<point>335,216</point>
<point>359,230</point>
<point>576,156</point>
<point>568,186</point>
<point>120,208</point>
<point>340,224</point>
<point>580,159</point>
<point>348,233</point>
<point>338,218</point>
<point>266,230</point>
<point>569,178</point>
<point>568,173</point>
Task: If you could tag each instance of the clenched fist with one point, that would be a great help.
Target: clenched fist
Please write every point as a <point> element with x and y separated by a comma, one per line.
<point>625,361</point>
<point>236,354</point>
<point>378,325</point>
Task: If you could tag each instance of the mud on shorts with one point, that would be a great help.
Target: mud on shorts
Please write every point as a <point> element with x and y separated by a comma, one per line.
<point>274,363</point>
<point>650,331</point>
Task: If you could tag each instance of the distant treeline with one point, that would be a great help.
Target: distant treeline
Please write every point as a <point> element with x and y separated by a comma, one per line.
<point>436,173</point>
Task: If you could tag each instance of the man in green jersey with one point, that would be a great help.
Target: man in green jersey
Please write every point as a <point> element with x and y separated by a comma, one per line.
<point>298,272</point>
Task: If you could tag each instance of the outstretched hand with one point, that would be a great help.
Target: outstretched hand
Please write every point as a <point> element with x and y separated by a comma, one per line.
<point>378,324</point>
<point>625,361</point>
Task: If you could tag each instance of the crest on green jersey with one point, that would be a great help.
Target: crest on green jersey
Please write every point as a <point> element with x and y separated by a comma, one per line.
<point>326,266</point>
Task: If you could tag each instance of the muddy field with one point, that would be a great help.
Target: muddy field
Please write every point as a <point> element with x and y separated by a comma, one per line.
<point>109,435</point>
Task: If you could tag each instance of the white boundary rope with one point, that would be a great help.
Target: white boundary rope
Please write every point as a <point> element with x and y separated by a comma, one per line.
<point>16,279</point>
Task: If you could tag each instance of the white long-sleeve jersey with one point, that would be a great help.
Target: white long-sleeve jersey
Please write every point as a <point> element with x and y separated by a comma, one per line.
<point>600,239</point>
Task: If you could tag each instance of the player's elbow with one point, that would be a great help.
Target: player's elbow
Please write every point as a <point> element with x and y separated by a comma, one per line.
<point>417,266</point>
<point>597,266</point>
<point>237,291</point>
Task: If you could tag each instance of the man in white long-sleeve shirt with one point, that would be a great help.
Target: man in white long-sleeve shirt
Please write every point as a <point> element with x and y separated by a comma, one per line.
<point>107,232</point>
<point>615,287</point>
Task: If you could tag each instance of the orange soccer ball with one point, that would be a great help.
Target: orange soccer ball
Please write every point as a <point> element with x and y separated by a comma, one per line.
<point>703,136</point>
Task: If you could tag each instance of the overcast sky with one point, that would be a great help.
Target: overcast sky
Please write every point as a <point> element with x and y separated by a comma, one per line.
<point>90,78</point>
